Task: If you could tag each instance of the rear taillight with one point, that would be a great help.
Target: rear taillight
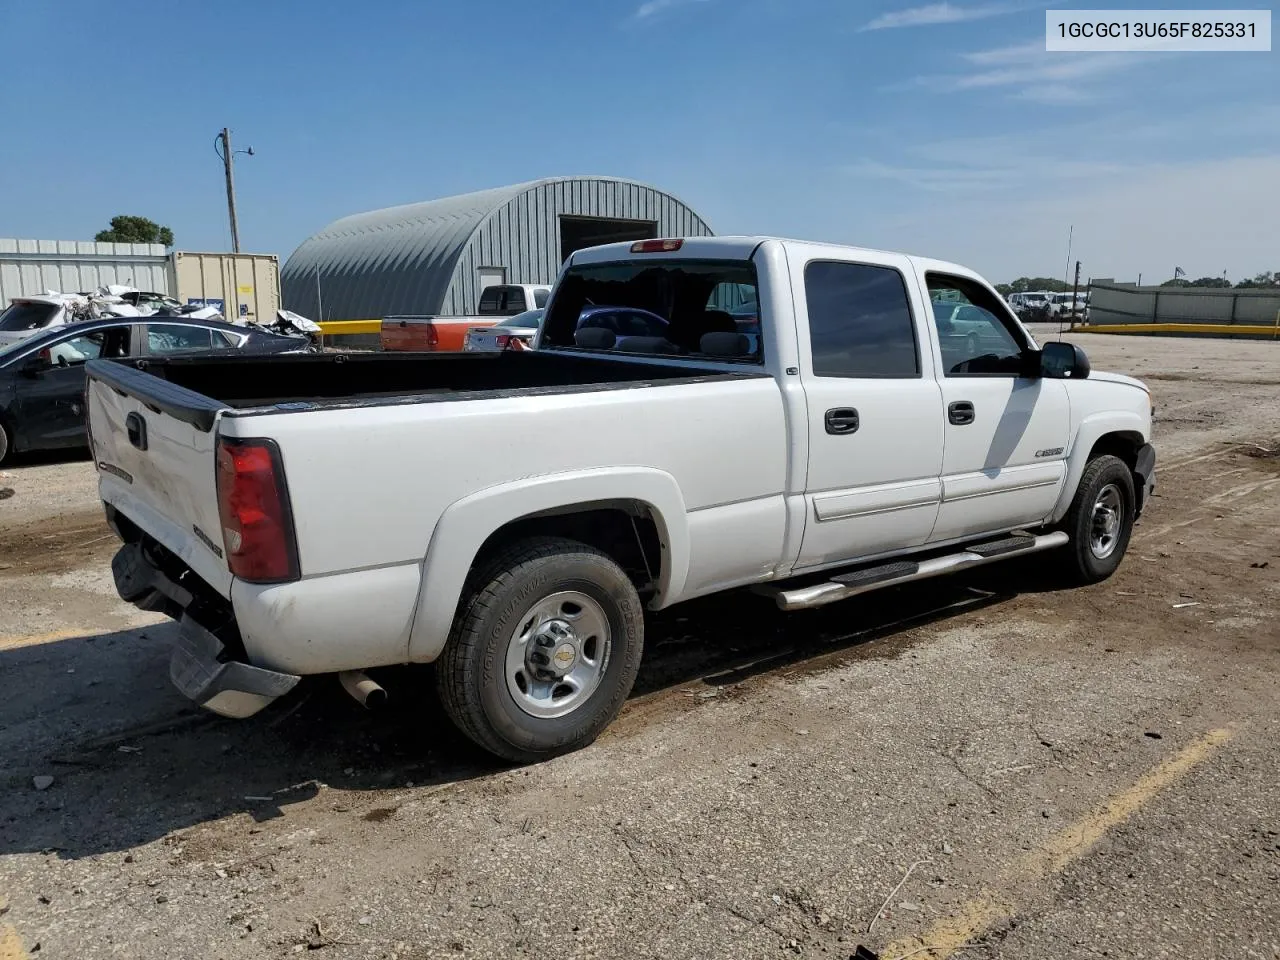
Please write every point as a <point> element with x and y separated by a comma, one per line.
<point>253,501</point>
<point>433,337</point>
<point>502,340</point>
<point>656,246</point>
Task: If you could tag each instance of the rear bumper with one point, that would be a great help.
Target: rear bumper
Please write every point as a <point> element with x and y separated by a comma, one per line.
<point>202,666</point>
<point>226,687</point>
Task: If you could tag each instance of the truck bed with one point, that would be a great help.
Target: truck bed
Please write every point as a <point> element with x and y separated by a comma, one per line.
<point>195,389</point>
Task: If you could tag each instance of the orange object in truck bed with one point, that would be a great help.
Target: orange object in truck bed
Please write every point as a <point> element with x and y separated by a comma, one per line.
<point>429,334</point>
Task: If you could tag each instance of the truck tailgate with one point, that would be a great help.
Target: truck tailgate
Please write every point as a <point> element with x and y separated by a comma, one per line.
<point>154,448</point>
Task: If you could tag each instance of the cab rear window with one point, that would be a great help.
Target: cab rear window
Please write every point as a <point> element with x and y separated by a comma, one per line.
<point>704,309</point>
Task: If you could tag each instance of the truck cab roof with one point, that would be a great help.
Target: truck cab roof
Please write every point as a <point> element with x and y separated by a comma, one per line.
<point>742,248</point>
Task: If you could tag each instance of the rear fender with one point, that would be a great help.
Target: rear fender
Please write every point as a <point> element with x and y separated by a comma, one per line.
<point>465,526</point>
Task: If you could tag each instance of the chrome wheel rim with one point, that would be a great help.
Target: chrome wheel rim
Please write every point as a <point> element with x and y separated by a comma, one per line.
<point>557,655</point>
<point>1105,522</point>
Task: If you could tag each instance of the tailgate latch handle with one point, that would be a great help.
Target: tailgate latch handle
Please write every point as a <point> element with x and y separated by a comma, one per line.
<point>137,428</point>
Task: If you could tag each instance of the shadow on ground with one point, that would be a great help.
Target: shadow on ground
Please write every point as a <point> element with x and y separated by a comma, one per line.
<point>38,458</point>
<point>132,761</point>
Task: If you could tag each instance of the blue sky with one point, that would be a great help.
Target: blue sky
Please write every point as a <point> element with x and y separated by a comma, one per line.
<point>936,128</point>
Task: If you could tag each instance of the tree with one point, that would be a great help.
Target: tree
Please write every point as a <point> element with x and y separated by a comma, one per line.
<point>1202,282</point>
<point>125,229</point>
<point>1264,279</point>
<point>1023,284</point>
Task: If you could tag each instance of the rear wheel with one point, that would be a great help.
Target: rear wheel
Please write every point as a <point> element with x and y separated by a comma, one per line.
<point>544,650</point>
<point>6,443</point>
<point>1100,520</point>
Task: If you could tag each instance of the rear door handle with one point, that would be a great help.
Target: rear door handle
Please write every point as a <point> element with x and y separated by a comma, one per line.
<point>841,420</point>
<point>961,412</point>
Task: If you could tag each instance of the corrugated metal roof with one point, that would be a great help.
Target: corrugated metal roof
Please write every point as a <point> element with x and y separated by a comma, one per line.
<point>408,259</point>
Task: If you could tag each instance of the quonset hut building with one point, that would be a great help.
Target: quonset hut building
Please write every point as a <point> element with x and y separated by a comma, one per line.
<point>434,258</point>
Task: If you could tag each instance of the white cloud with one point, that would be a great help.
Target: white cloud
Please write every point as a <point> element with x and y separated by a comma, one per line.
<point>1018,53</point>
<point>652,7</point>
<point>930,14</point>
<point>967,167</point>
<point>1032,73</point>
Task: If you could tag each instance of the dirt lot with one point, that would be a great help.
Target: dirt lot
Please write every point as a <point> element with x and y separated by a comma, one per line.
<point>1086,773</point>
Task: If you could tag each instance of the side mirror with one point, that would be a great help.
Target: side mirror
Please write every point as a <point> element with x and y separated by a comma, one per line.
<point>1063,361</point>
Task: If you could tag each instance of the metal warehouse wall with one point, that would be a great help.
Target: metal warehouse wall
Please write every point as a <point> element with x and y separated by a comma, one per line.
<point>423,258</point>
<point>76,266</point>
<point>1125,303</point>
<point>524,235</point>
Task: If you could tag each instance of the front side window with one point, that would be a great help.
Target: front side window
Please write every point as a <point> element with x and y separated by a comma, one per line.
<point>164,339</point>
<point>975,334</point>
<point>668,307</point>
<point>860,322</point>
<point>540,298</point>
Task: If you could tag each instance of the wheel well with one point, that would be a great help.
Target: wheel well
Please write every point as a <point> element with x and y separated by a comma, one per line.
<point>624,530</point>
<point>1122,444</point>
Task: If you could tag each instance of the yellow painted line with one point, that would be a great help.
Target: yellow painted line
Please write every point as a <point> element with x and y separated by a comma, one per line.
<point>332,328</point>
<point>35,639</point>
<point>946,937</point>
<point>11,947</point>
<point>1248,329</point>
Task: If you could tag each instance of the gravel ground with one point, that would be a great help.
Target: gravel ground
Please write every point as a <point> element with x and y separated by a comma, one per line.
<point>1071,772</point>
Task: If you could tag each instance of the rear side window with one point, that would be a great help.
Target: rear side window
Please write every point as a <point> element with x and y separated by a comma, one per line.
<point>860,321</point>
<point>26,316</point>
<point>167,338</point>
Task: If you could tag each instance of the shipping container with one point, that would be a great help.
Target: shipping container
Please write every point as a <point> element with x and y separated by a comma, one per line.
<point>241,285</point>
<point>32,267</point>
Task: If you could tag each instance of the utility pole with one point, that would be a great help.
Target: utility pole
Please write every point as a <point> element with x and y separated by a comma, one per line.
<point>227,156</point>
<point>1075,296</point>
<point>231,188</point>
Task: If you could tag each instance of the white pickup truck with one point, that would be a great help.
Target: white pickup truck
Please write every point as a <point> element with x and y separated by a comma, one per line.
<point>511,515</point>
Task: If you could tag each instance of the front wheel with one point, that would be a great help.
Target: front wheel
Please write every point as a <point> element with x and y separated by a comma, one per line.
<point>5,443</point>
<point>544,650</point>
<point>1100,520</point>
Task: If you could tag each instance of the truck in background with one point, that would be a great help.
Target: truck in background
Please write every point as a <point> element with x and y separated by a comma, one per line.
<point>447,334</point>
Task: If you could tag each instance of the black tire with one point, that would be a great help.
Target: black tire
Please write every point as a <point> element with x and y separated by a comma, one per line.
<point>471,671</point>
<point>1080,560</point>
<point>6,442</point>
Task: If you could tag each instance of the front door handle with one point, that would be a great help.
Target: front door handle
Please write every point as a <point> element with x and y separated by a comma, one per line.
<point>961,412</point>
<point>841,420</point>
